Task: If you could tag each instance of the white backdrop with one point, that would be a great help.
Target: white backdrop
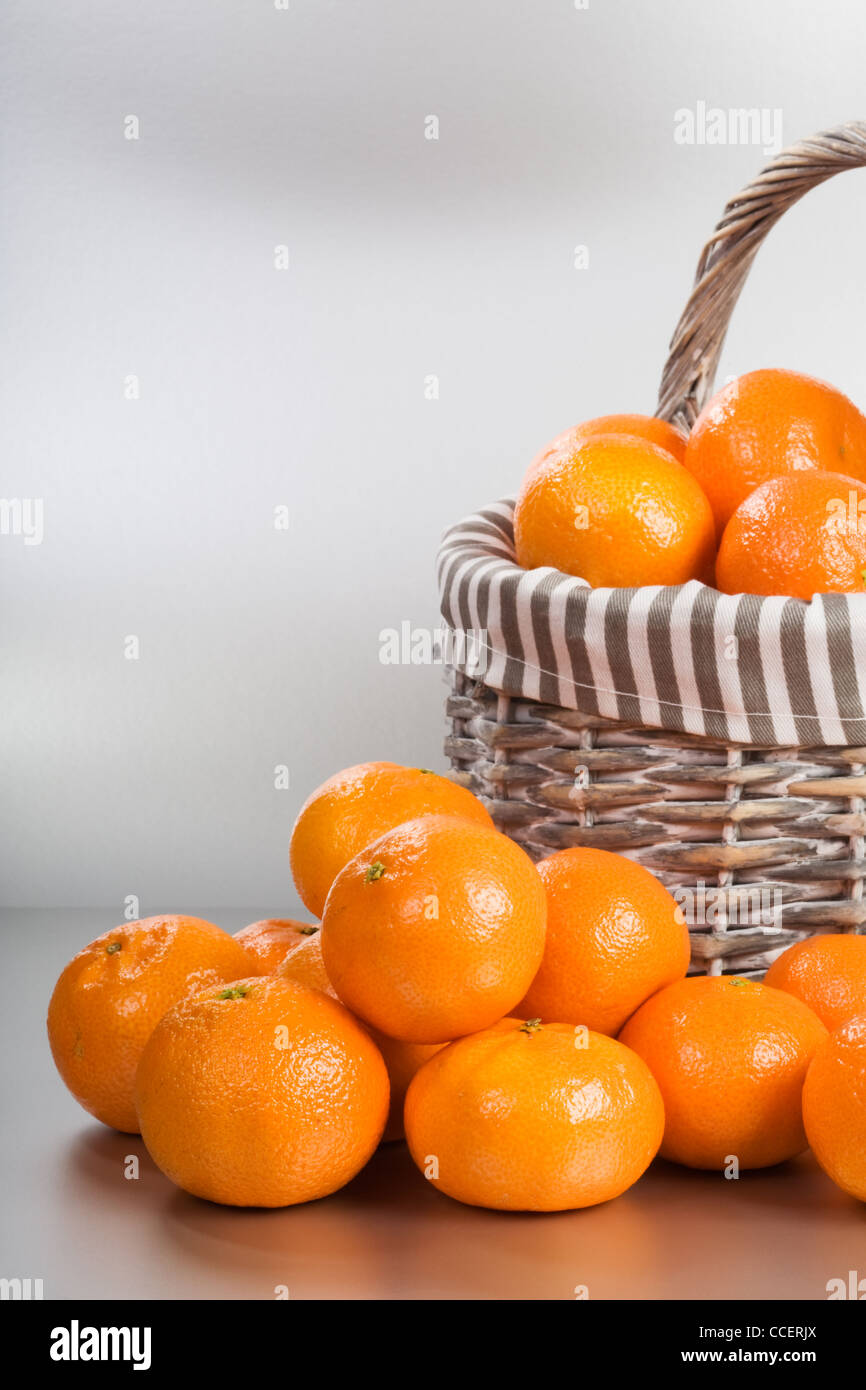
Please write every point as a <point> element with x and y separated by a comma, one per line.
<point>149,265</point>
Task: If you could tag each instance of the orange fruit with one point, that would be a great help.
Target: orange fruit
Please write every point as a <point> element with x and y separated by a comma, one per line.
<point>767,424</point>
<point>534,1117</point>
<point>730,1057</point>
<point>402,1059</point>
<point>614,936</point>
<point>111,996</point>
<point>827,972</point>
<point>615,511</point>
<point>358,805</point>
<point>273,939</point>
<point>648,427</point>
<point>834,1106</point>
<point>262,1093</point>
<point>434,930</point>
<point>305,965</point>
<point>800,535</point>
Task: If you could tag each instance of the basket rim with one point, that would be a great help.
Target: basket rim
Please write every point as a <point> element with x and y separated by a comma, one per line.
<point>742,668</point>
<point>508,504</point>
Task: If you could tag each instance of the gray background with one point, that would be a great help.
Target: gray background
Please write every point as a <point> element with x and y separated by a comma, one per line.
<point>306,387</point>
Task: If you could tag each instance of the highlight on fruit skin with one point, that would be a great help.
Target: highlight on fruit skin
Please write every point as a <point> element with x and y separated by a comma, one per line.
<point>526,1116</point>
<point>730,1057</point>
<point>617,512</point>
<point>261,1093</point>
<point>797,536</point>
<point>112,994</point>
<point>356,806</point>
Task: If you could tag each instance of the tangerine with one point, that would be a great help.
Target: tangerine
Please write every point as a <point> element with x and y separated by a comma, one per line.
<point>614,936</point>
<point>261,1093</point>
<point>827,972</point>
<point>435,930</point>
<point>111,996</point>
<point>272,940</point>
<point>800,535</point>
<point>768,424</point>
<point>834,1106</point>
<point>730,1057</point>
<point>358,805</point>
<point>615,511</point>
<point>526,1116</point>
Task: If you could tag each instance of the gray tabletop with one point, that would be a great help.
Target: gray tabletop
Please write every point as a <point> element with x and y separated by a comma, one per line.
<point>72,1218</point>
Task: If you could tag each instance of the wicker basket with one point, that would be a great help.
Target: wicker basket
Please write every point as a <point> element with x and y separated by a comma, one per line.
<point>753,816</point>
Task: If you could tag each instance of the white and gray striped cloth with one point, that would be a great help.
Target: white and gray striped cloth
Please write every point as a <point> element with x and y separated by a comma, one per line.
<point>742,669</point>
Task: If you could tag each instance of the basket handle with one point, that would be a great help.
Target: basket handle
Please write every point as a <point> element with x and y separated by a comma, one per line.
<point>696,346</point>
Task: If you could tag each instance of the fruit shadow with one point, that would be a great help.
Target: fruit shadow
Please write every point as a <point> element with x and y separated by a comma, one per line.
<point>99,1156</point>
<point>781,1231</point>
<point>390,1235</point>
<point>797,1186</point>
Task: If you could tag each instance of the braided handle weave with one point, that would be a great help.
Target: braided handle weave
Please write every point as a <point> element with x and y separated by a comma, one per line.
<point>696,346</point>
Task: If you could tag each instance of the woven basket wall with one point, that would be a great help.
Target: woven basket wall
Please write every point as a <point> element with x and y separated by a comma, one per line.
<point>762,844</point>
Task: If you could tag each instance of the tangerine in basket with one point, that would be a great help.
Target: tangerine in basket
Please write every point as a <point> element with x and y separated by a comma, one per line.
<point>730,1057</point>
<point>827,972</point>
<point>402,1059</point>
<point>834,1106</point>
<point>273,939</point>
<point>614,936</point>
<point>435,930</point>
<point>769,424</point>
<point>528,1116</point>
<point>800,535</point>
<point>261,1093</point>
<point>111,996</point>
<point>648,427</point>
<point>616,511</point>
<point>358,805</point>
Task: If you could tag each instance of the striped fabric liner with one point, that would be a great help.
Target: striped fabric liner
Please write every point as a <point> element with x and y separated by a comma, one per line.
<point>738,668</point>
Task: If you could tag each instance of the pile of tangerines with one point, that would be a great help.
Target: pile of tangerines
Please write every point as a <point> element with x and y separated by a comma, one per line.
<point>530,1028</point>
<point>767,495</point>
